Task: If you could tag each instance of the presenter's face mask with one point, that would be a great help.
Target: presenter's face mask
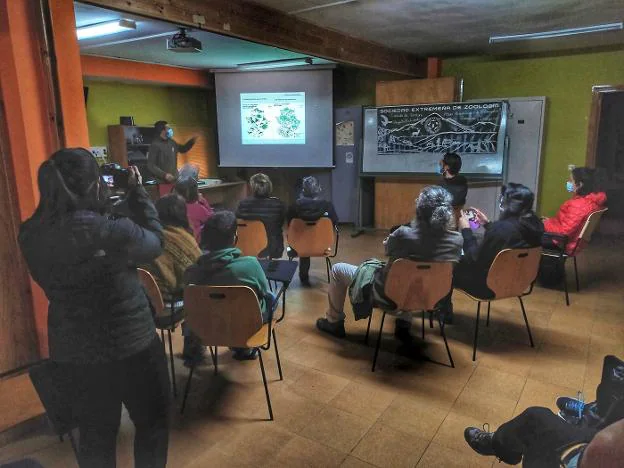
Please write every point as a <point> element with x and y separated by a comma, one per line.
<point>441,168</point>
<point>570,187</point>
<point>170,133</point>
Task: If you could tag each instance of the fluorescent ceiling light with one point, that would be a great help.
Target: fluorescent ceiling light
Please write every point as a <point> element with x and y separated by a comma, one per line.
<point>105,29</point>
<point>275,64</point>
<point>557,33</point>
<point>318,7</point>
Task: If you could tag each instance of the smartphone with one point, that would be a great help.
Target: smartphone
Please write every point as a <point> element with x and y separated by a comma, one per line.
<point>473,220</point>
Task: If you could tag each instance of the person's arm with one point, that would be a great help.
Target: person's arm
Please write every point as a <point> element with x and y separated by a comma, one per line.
<point>140,236</point>
<point>567,221</point>
<point>186,147</point>
<point>154,161</point>
<point>484,254</point>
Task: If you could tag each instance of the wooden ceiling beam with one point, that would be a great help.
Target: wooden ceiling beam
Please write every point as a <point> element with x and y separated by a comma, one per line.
<point>253,22</point>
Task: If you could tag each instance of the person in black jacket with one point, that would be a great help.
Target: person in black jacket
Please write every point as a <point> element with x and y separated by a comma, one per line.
<point>261,206</point>
<point>456,184</point>
<point>100,327</point>
<point>518,227</point>
<point>310,207</point>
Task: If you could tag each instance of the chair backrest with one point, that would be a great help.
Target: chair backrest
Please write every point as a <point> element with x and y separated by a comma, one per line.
<point>252,237</point>
<point>416,286</point>
<point>222,315</point>
<point>312,238</point>
<point>513,271</point>
<point>590,225</point>
<point>152,290</point>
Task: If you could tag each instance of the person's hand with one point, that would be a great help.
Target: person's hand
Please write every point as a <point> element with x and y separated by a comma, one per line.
<point>170,178</point>
<point>481,218</point>
<point>464,220</point>
<point>134,177</point>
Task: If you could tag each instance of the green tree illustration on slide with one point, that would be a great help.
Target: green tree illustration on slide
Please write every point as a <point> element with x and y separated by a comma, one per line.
<point>257,122</point>
<point>288,123</point>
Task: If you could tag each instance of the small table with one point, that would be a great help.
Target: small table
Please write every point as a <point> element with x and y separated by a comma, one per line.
<point>281,271</point>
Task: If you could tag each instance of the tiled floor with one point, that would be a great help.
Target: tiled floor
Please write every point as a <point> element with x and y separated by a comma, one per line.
<point>330,410</point>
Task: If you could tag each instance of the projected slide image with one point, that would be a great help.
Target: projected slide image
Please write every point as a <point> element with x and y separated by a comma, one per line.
<point>273,118</point>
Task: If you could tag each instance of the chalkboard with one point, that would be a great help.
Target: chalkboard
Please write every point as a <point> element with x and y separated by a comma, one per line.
<point>412,138</point>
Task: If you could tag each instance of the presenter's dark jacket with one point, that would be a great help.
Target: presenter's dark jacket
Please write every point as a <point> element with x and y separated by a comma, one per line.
<point>86,264</point>
<point>457,187</point>
<point>272,212</point>
<point>311,209</point>
<point>162,157</point>
<point>509,233</point>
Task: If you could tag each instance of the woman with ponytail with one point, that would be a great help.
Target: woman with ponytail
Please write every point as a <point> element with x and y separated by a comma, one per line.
<point>427,238</point>
<point>101,334</point>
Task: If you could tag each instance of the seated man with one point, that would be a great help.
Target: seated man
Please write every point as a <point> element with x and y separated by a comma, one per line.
<point>456,184</point>
<point>310,207</point>
<point>427,239</point>
<point>224,265</point>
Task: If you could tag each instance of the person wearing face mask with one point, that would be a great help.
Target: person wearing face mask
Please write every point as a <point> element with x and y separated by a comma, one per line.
<point>162,158</point>
<point>452,181</point>
<point>571,217</point>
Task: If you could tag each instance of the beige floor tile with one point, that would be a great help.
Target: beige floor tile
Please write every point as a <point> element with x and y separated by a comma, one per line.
<point>496,382</point>
<point>493,407</point>
<point>292,411</point>
<point>337,429</point>
<point>536,393</point>
<point>438,456</point>
<point>362,400</point>
<point>319,386</point>
<point>217,459</point>
<point>386,447</point>
<point>257,441</point>
<point>302,452</point>
<point>352,462</point>
<point>416,417</point>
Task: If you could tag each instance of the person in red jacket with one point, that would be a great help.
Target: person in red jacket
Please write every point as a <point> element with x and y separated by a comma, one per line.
<point>571,217</point>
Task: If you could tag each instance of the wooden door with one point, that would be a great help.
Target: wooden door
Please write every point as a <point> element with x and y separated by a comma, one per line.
<point>18,336</point>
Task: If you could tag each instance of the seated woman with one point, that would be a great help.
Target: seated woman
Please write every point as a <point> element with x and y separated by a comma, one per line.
<point>261,206</point>
<point>518,227</point>
<point>571,217</point>
<point>310,207</point>
<point>428,238</point>
<point>198,210</point>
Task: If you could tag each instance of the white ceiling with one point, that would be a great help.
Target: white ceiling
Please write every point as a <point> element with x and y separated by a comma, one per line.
<point>461,27</point>
<point>148,43</point>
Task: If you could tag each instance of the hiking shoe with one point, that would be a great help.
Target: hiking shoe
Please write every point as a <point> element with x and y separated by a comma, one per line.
<point>305,281</point>
<point>337,329</point>
<point>245,354</point>
<point>403,334</point>
<point>480,440</point>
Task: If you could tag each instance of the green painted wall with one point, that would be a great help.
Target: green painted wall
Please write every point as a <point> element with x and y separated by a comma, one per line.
<point>109,100</point>
<point>567,82</point>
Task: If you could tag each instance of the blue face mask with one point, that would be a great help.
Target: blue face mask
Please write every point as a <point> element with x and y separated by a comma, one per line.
<point>170,133</point>
<point>570,186</point>
<point>441,168</point>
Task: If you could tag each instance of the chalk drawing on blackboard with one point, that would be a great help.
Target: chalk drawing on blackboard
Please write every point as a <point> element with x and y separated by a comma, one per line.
<point>439,128</point>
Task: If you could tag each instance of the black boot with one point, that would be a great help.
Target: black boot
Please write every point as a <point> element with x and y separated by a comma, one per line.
<point>402,331</point>
<point>337,328</point>
<point>479,440</point>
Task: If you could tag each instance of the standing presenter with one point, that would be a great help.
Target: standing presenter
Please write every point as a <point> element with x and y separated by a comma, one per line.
<point>162,158</point>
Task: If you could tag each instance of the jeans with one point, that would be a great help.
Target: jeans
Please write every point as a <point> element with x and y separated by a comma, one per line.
<point>141,383</point>
<point>342,275</point>
<point>539,436</point>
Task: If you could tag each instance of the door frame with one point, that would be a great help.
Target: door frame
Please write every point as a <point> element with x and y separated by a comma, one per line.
<point>598,93</point>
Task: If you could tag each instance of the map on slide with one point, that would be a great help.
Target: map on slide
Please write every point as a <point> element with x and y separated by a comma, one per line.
<point>273,118</point>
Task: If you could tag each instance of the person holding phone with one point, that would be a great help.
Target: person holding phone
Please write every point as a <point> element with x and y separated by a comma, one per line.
<point>101,332</point>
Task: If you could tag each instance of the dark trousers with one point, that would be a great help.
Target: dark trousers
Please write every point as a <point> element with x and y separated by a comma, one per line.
<point>304,267</point>
<point>141,383</point>
<point>539,436</point>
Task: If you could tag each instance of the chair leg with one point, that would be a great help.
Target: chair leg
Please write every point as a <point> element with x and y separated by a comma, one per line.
<point>565,285</point>
<point>216,359</point>
<point>448,350</point>
<point>383,317</point>
<point>266,387</point>
<point>370,317</point>
<point>279,364</point>
<point>576,275</point>
<point>474,346</point>
<point>188,387</point>
<point>72,441</point>
<point>423,324</point>
<point>329,265</point>
<point>162,338</point>
<point>487,322</point>
<point>431,318</point>
<point>526,321</point>
<point>173,376</point>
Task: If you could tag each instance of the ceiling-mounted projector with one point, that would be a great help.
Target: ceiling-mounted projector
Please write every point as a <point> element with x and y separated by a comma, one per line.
<point>180,42</point>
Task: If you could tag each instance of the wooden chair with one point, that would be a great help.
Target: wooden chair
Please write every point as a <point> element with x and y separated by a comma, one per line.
<point>416,286</point>
<point>229,316</point>
<point>167,316</point>
<point>314,239</point>
<point>591,223</point>
<point>252,237</point>
<point>512,274</point>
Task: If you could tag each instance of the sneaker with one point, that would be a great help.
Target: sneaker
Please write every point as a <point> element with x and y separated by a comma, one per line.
<point>571,409</point>
<point>305,281</point>
<point>480,440</point>
<point>337,329</point>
